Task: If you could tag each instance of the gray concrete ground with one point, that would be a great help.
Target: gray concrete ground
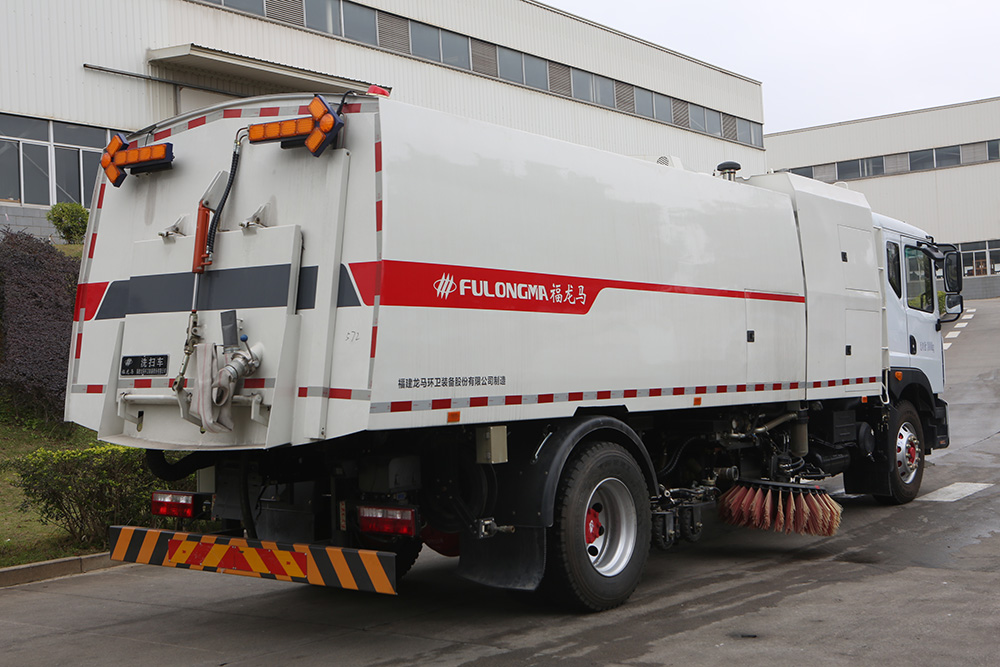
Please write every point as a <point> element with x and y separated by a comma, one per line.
<point>912,585</point>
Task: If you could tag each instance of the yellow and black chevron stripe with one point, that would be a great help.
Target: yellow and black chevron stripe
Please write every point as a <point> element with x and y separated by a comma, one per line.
<point>317,564</point>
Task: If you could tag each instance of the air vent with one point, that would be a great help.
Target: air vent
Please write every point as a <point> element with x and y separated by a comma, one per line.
<point>729,130</point>
<point>484,57</point>
<point>559,81</point>
<point>682,115</point>
<point>286,11</point>
<point>393,32</point>
<point>624,97</point>
<point>898,163</point>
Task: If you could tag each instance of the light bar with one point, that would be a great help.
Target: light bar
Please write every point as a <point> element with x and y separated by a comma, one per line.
<point>117,157</point>
<point>316,131</point>
<point>387,520</point>
<point>283,130</point>
<point>184,504</point>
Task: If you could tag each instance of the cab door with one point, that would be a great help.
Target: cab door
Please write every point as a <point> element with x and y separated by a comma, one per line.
<point>923,342</point>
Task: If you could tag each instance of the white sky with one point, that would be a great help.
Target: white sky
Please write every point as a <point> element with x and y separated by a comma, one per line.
<point>826,61</point>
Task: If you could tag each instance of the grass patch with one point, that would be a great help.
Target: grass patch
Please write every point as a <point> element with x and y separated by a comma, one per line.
<point>23,537</point>
<point>74,250</point>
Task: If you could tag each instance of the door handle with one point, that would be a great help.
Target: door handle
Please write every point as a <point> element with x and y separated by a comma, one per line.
<point>913,345</point>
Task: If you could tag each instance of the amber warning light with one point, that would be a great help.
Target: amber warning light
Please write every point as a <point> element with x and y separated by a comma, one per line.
<point>118,156</point>
<point>315,131</point>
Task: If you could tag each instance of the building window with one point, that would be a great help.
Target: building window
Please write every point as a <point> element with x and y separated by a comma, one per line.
<point>743,132</point>
<point>21,127</point>
<point>35,170</point>
<point>994,259</point>
<point>510,65</point>
<point>948,156</point>
<point>455,50</point>
<point>848,170</point>
<point>36,174</point>
<point>873,166</point>
<point>921,160</point>
<point>252,6</point>
<point>10,172</point>
<point>993,149</point>
<point>713,123</point>
<point>425,41</point>
<point>536,72</point>
<point>663,108</point>
<point>323,15</point>
<point>803,171</point>
<point>644,102</point>
<point>604,91</point>
<point>696,117</point>
<point>757,135</point>
<point>359,23</point>
<point>583,85</point>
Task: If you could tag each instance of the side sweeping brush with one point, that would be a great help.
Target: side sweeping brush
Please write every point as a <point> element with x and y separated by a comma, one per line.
<point>789,508</point>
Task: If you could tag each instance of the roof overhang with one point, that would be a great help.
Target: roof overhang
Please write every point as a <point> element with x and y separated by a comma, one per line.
<point>292,79</point>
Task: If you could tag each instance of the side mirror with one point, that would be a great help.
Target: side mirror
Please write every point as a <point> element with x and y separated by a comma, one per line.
<point>953,273</point>
<point>954,304</point>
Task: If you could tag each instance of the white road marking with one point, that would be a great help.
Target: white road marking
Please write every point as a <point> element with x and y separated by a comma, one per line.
<point>953,492</point>
<point>961,325</point>
<point>953,334</point>
<point>970,310</point>
<point>947,345</point>
<point>969,316</point>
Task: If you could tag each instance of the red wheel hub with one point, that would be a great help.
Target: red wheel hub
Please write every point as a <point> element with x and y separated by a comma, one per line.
<point>593,528</point>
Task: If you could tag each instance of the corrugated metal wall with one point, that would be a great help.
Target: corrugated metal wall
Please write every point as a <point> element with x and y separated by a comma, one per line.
<point>47,44</point>
<point>915,130</point>
<point>954,204</point>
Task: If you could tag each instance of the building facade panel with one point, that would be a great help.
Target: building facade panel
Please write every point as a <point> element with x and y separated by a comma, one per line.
<point>123,65</point>
<point>934,168</point>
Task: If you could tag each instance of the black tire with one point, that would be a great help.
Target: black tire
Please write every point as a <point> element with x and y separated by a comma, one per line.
<point>904,452</point>
<point>599,542</point>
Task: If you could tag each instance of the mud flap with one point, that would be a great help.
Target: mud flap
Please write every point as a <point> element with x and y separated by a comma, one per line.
<point>513,560</point>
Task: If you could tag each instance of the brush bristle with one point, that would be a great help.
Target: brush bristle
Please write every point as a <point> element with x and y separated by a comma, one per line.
<point>807,511</point>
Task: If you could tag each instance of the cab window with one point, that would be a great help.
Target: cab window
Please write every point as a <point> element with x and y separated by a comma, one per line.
<point>892,267</point>
<point>919,280</point>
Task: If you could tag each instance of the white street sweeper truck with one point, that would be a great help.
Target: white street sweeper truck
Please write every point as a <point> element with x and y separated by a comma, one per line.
<point>370,327</point>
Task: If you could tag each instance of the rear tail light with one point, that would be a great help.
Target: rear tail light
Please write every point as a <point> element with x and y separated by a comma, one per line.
<point>387,520</point>
<point>184,504</point>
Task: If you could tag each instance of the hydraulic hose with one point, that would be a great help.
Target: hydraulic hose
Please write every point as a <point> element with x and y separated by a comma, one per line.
<point>171,472</point>
<point>214,227</point>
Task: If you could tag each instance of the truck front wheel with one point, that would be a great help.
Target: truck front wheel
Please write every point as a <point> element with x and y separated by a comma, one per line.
<point>599,541</point>
<point>905,455</point>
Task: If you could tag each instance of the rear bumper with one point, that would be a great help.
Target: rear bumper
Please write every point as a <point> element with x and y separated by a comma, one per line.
<point>316,564</point>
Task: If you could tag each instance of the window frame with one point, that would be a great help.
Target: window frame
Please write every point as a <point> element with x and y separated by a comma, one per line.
<point>924,301</point>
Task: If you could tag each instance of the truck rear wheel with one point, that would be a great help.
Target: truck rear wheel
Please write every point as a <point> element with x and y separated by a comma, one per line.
<point>599,541</point>
<point>904,448</point>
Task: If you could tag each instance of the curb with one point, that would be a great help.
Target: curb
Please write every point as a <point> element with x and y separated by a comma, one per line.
<point>50,569</point>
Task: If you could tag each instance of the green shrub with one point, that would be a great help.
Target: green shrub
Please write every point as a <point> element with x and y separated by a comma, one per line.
<point>70,220</point>
<point>86,490</point>
<point>37,293</point>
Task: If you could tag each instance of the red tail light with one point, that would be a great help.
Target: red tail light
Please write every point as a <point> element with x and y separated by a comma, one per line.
<point>387,520</point>
<point>184,504</point>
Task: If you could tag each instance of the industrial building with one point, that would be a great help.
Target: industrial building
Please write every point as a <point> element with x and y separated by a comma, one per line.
<point>938,169</point>
<point>76,70</point>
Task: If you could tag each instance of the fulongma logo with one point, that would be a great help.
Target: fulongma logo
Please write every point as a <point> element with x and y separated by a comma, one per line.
<point>444,285</point>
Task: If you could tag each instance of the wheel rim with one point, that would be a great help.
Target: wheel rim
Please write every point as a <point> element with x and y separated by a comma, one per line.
<point>610,527</point>
<point>907,452</point>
